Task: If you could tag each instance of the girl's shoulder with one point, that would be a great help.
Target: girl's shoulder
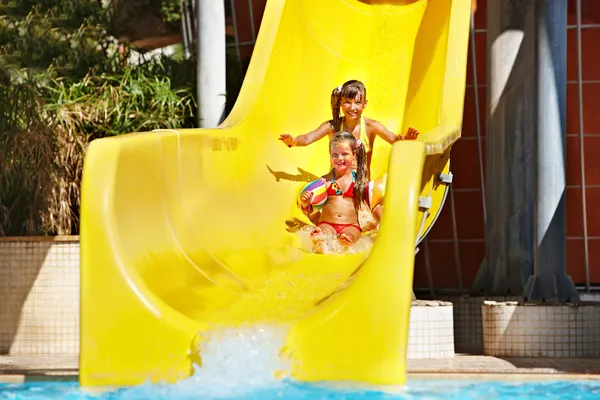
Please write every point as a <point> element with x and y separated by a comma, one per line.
<point>369,122</point>
<point>373,125</point>
<point>328,177</point>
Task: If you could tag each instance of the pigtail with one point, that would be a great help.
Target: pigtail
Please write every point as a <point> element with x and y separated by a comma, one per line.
<point>361,176</point>
<point>361,179</point>
<point>336,96</point>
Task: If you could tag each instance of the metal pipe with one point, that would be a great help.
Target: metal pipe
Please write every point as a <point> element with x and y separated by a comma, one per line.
<point>581,152</point>
<point>251,12</point>
<point>186,29</point>
<point>583,26</point>
<point>235,33</point>
<point>477,119</point>
<point>429,271</point>
<point>455,241</point>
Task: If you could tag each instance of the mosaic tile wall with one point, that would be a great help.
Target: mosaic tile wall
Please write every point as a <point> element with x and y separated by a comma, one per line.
<point>511,330</point>
<point>431,331</point>
<point>39,295</point>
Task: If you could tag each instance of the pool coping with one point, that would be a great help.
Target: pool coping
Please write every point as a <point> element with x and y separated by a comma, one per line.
<point>411,376</point>
<point>31,368</point>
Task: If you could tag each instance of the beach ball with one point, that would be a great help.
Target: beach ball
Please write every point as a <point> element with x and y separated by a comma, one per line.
<point>319,191</point>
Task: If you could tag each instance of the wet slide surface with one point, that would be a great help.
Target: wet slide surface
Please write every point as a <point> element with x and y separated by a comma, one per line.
<point>188,231</point>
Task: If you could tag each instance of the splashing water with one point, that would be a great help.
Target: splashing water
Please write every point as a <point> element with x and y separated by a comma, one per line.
<point>330,243</point>
<point>239,360</point>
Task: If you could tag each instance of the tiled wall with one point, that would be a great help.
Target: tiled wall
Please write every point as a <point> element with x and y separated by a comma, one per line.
<point>39,295</point>
<point>431,333</point>
<point>512,330</point>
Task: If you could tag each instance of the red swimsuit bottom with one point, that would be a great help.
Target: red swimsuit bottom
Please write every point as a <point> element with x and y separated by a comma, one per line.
<point>339,227</point>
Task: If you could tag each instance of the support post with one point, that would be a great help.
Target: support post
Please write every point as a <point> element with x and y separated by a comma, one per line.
<point>550,282</point>
<point>509,189</point>
<point>210,54</point>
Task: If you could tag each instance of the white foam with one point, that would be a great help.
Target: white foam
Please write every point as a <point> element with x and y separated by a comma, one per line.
<point>331,244</point>
<point>240,360</point>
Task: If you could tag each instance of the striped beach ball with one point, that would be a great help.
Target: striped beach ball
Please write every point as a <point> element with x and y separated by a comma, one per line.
<point>319,193</point>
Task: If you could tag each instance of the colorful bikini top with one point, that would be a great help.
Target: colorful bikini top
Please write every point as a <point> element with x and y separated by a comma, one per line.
<point>335,190</point>
<point>364,138</point>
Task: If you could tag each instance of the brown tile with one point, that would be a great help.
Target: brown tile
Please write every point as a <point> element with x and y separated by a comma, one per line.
<point>469,128</point>
<point>469,215</point>
<point>574,214</point>
<point>468,125</point>
<point>573,160</point>
<point>591,116</point>
<point>480,14</point>
<point>420,275</point>
<point>481,58</point>
<point>443,225</point>
<point>471,256</point>
<point>242,16</point>
<point>464,164</point>
<point>571,12</point>
<point>590,12</point>
<point>576,260</point>
<point>571,55</point>
<point>590,53</point>
<point>442,264</point>
<point>591,152</point>
<point>594,254</point>
<point>258,6</point>
<point>593,212</point>
<point>572,108</point>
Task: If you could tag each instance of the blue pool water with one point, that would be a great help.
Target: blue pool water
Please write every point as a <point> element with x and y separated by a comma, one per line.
<point>424,389</point>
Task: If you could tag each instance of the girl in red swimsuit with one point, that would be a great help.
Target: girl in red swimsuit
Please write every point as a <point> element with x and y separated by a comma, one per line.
<point>345,190</point>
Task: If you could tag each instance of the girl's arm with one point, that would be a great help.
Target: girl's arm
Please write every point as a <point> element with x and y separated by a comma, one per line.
<point>307,138</point>
<point>388,136</point>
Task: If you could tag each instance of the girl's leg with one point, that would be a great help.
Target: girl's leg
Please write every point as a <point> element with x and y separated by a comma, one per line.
<point>349,235</point>
<point>318,236</point>
<point>377,212</point>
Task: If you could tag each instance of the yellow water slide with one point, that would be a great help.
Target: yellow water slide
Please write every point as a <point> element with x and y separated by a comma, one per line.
<point>187,231</point>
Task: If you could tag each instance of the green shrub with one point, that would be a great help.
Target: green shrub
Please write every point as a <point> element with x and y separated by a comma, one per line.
<point>64,81</point>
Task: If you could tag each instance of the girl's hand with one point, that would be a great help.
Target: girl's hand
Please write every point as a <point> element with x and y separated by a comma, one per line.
<point>287,139</point>
<point>305,199</point>
<point>411,134</point>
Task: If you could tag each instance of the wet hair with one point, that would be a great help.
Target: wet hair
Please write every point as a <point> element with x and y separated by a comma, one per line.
<point>361,164</point>
<point>348,90</point>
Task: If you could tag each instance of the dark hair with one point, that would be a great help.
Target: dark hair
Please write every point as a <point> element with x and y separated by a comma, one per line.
<point>361,164</point>
<point>348,90</point>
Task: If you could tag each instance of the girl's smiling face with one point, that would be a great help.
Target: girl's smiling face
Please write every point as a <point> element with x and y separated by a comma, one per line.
<point>353,108</point>
<point>342,156</point>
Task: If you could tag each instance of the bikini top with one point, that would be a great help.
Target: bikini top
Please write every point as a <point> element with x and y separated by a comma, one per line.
<point>364,138</point>
<point>335,190</point>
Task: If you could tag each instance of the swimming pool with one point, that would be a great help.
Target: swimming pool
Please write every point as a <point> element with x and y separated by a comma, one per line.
<point>418,389</point>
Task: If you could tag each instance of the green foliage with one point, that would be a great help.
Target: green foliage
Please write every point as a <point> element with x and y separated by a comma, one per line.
<point>64,81</point>
<point>170,10</point>
<point>68,38</point>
